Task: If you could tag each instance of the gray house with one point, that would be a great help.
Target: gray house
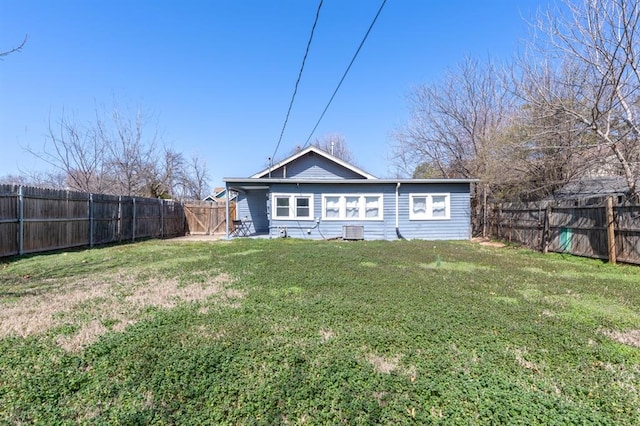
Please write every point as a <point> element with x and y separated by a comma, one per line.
<point>315,195</point>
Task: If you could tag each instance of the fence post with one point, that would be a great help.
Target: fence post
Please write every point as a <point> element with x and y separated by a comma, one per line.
<point>133,220</point>
<point>161,217</point>
<point>547,229</point>
<point>611,232</point>
<point>484,210</point>
<point>20,220</point>
<point>119,222</point>
<point>90,220</point>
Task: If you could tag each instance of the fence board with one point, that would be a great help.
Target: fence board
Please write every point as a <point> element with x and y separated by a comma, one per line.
<point>9,220</point>
<point>174,223</point>
<point>205,218</point>
<point>628,233</point>
<point>579,228</point>
<point>37,219</point>
<point>54,219</point>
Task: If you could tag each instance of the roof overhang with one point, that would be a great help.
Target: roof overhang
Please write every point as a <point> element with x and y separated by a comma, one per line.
<point>244,186</point>
<point>263,183</point>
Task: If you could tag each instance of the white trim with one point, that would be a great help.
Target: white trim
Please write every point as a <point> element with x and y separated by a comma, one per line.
<point>292,207</point>
<point>429,207</point>
<point>361,207</point>
<point>318,151</point>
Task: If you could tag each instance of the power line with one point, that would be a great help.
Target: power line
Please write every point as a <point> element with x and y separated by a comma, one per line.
<point>345,73</point>
<point>295,90</point>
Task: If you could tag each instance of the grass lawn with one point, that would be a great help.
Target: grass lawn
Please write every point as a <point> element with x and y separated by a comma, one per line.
<point>293,332</point>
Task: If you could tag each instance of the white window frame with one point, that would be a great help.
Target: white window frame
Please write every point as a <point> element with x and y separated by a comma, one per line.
<point>362,207</point>
<point>428,214</point>
<point>293,208</point>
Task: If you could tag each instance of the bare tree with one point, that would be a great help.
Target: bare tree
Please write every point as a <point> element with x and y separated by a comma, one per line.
<point>76,150</point>
<point>336,145</point>
<point>590,75</point>
<point>195,183</point>
<point>132,154</point>
<point>117,154</point>
<point>165,176</point>
<point>54,179</point>
<point>331,143</point>
<point>454,127</point>
<point>453,122</point>
<point>18,48</point>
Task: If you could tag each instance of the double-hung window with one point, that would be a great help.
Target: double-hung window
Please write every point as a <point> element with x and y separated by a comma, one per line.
<point>352,207</point>
<point>430,207</point>
<point>292,206</point>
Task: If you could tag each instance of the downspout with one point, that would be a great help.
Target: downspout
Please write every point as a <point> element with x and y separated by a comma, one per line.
<point>226,208</point>
<point>398,234</point>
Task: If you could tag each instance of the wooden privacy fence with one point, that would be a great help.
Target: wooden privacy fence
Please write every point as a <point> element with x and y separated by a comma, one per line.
<point>206,218</point>
<point>595,228</point>
<point>36,219</point>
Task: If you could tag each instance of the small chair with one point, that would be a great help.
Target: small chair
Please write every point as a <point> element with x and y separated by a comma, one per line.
<point>240,229</point>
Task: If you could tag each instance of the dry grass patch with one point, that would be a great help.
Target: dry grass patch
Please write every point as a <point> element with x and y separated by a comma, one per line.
<point>95,307</point>
<point>385,365</point>
<point>488,243</point>
<point>520,359</point>
<point>88,333</point>
<point>629,337</point>
<point>326,335</point>
<point>382,364</point>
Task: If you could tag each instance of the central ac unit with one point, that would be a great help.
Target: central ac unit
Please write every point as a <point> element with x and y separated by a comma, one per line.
<point>353,232</point>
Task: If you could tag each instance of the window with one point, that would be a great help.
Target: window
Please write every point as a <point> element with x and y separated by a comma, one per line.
<point>439,206</point>
<point>372,207</point>
<point>429,207</point>
<point>302,207</point>
<point>331,207</point>
<point>282,206</point>
<point>352,207</point>
<point>293,206</point>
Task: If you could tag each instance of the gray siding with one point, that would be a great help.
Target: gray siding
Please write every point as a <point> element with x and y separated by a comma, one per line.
<point>457,227</point>
<point>313,166</point>
<point>253,205</point>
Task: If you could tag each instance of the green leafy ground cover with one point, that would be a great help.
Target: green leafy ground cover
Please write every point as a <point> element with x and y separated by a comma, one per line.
<point>294,332</point>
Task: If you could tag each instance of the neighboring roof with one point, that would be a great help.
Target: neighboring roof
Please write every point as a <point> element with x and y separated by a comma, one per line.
<point>218,194</point>
<point>318,151</point>
<point>593,187</point>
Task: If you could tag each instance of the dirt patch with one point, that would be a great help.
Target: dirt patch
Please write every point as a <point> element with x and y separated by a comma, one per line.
<point>630,337</point>
<point>487,242</point>
<point>382,364</point>
<point>94,308</point>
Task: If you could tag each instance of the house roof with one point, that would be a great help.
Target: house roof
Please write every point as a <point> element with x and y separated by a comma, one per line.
<point>318,151</point>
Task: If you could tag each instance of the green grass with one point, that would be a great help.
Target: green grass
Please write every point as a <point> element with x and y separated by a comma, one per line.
<point>291,331</point>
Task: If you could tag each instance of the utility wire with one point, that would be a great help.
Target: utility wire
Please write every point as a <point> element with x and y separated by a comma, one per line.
<point>295,90</point>
<point>345,73</point>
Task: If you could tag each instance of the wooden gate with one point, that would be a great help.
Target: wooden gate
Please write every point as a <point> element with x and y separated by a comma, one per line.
<point>206,218</point>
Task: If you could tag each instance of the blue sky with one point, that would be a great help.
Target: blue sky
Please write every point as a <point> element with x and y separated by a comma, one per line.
<point>217,76</point>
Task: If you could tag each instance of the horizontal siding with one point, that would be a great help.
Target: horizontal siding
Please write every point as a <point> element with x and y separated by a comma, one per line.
<point>457,227</point>
<point>253,205</point>
<point>314,167</point>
